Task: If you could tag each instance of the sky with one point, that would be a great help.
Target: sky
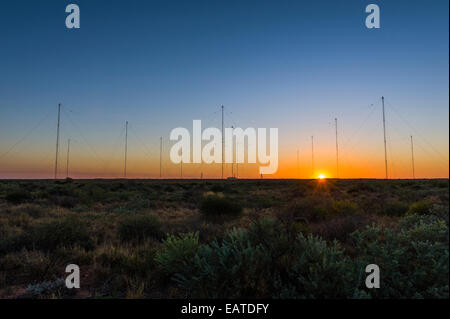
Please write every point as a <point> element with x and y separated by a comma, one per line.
<point>291,65</point>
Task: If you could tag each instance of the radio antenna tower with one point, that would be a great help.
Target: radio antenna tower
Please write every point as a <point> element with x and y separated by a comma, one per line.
<point>223,142</point>
<point>412,157</point>
<point>337,149</point>
<point>126,150</point>
<point>312,155</point>
<point>160,157</point>
<point>384,134</point>
<point>57,140</point>
<point>68,155</point>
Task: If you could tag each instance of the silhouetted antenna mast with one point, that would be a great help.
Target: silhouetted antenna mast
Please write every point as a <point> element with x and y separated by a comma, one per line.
<point>298,165</point>
<point>57,140</point>
<point>312,155</point>
<point>384,134</point>
<point>126,150</point>
<point>232,162</point>
<point>160,157</point>
<point>68,156</point>
<point>412,157</point>
<point>223,143</point>
<point>181,165</point>
<point>337,149</point>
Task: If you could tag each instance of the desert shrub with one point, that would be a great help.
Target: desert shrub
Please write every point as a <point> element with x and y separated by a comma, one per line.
<point>263,263</point>
<point>139,227</point>
<point>65,201</point>
<point>217,188</point>
<point>318,270</point>
<point>117,260</point>
<point>49,289</point>
<point>47,236</point>
<point>216,205</point>
<point>342,208</point>
<point>413,258</point>
<point>175,251</point>
<point>310,209</point>
<point>27,265</point>
<point>231,269</point>
<point>419,208</point>
<point>340,228</point>
<point>18,196</point>
<point>440,211</point>
<point>394,208</point>
<point>32,210</point>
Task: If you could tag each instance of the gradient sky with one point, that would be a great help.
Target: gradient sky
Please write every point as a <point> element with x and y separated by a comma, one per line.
<point>295,65</point>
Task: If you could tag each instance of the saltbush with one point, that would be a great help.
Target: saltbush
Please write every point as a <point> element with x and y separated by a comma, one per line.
<point>175,251</point>
<point>413,257</point>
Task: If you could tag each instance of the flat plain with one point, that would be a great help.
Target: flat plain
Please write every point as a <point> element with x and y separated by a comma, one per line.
<point>224,238</point>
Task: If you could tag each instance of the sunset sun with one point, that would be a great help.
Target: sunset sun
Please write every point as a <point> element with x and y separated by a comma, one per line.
<point>321,176</point>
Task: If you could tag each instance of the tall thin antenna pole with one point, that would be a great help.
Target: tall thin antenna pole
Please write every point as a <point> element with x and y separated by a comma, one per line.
<point>68,155</point>
<point>223,142</point>
<point>237,160</point>
<point>181,164</point>
<point>232,161</point>
<point>337,149</point>
<point>57,140</point>
<point>312,155</point>
<point>384,134</point>
<point>412,157</point>
<point>298,166</point>
<point>160,157</point>
<point>126,149</point>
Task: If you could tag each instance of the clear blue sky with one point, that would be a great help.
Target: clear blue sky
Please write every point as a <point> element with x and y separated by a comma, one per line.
<point>294,65</point>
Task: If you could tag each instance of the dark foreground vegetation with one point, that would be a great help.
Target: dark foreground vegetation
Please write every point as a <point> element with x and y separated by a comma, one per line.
<point>224,239</point>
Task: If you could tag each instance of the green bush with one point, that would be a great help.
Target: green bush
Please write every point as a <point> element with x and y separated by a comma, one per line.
<point>175,251</point>
<point>139,227</point>
<point>216,205</point>
<point>413,258</point>
<point>264,263</point>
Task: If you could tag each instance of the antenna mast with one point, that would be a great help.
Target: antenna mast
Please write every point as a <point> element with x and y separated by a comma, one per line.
<point>298,166</point>
<point>223,142</point>
<point>384,134</point>
<point>68,154</point>
<point>160,157</point>
<point>312,155</point>
<point>412,157</point>
<point>57,140</point>
<point>126,150</point>
<point>337,149</point>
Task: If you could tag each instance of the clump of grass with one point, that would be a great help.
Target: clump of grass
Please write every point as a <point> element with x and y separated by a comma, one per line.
<point>217,205</point>
<point>137,228</point>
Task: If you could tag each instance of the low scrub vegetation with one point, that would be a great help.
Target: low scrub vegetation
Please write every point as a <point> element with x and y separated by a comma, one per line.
<point>224,239</point>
